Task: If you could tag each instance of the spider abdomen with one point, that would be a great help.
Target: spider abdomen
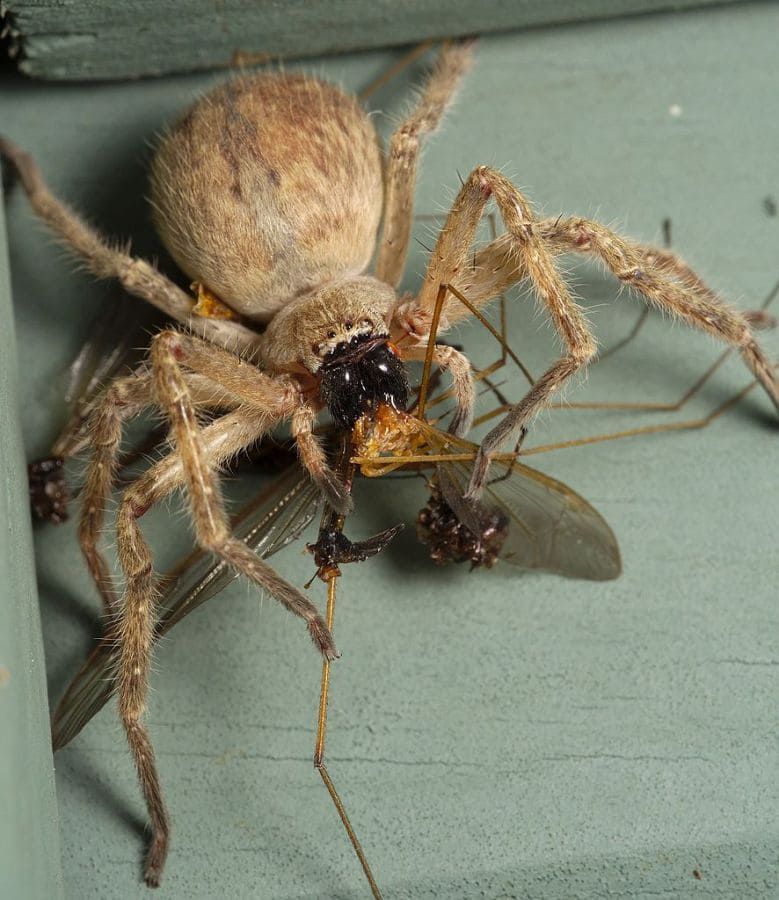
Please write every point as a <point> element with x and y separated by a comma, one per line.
<point>269,187</point>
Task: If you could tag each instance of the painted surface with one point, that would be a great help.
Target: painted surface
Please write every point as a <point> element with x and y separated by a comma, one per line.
<point>29,839</point>
<point>493,734</point>
<point>93,39</point>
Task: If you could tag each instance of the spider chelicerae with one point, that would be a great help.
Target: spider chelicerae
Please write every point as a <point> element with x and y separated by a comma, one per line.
<point>269,193</point>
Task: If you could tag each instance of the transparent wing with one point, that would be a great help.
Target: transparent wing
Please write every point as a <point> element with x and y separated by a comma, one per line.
<point>551,527</point>
<point>114,345</point>
<point>271,521</point>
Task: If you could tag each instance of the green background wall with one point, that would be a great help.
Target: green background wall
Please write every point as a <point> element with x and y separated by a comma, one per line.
<point>494,734</point>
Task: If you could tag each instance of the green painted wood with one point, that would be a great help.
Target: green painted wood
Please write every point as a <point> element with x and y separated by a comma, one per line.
<point>29,840</point>
<point>493,735</point>
<point>85,39</point>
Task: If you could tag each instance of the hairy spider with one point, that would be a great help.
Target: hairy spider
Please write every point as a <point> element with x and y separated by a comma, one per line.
<point>269,193</point>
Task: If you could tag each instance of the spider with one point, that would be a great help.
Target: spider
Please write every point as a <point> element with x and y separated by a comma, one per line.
<point>269,193</point>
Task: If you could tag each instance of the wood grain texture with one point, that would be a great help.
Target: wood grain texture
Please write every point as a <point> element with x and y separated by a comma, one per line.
<point>493,734</point>
<point>29,839</point>
<point>87,39</point>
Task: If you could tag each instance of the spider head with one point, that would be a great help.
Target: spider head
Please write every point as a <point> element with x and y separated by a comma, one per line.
<point>340,335</point>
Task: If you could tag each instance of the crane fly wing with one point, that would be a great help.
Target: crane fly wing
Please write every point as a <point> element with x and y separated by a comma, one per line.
<point>113,346</point>
<point>551,527</point>
<point>268,523</point>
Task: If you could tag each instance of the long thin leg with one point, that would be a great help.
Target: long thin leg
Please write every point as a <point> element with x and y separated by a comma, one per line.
<point>687,425</point>
<point>135,275</point>
<point>395,69</point>
<point>664,280</point>
<point>328,559</point>
<point>683,297</point>
<point>462,382</point>
<point>500,334</point>
<point>125,398</point>
<point>453,61</point>
<point>314,459</point>
<point>211,523</point>
<point>387,463</point>
<point>319,750</point>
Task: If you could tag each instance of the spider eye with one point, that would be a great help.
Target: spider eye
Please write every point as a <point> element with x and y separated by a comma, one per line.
<point>331,334</point>
<point>315,349</point>
<point>368,323</point>
<point>348,325</point>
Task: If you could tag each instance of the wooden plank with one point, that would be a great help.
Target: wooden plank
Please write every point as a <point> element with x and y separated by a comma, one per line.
<point>85,39</point>
<point>29,842</point>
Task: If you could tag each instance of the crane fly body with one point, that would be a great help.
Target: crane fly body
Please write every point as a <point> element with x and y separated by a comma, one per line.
<point>273,196</point>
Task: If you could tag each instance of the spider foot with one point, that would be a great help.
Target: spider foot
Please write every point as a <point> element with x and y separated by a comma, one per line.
<point>320,635</point>
<point>760,319</point>
<point>336,493</point>
<point>155,860</point>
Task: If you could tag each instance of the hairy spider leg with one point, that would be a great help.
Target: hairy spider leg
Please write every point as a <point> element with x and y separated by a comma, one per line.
<point>136,276</point>
<point>403,157</point>
<point>198,452</point>
<point>759,318</point>
<point>536,261</point>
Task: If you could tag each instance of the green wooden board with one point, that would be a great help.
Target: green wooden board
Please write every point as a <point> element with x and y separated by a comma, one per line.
<point>29,839</point>
<point>85,39</point>
<point>493,735</point>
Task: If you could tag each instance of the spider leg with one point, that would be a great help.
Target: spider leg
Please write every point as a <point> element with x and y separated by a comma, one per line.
<point>659,275</point>
<point>211,523</point>
<point>221,379</point>
<point>124,398</point>
<point>403,156</point>
<point>450,258</point>
<point>496,267</point>
<point>462,381</point>
<point>135,275</point>
<point>667,282</point>
<point>277,396</point>
<point>313,457</point>
<point>531,257</point>
<point>197,454</point>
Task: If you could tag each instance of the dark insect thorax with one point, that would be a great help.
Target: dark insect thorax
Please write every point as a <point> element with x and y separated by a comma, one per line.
<point>360,376</point>
<point>473,532</point>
